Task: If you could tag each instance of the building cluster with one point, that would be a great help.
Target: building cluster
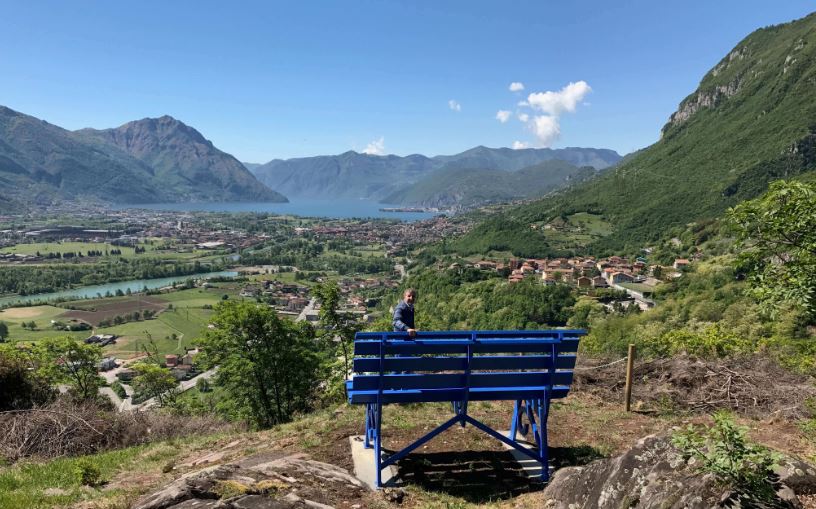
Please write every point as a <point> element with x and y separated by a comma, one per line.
<point>395,236</point>
<point>583,273</point>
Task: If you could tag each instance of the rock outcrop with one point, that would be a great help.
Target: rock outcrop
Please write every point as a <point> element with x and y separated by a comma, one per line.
<point>259,483</point>
<point>653,474</point>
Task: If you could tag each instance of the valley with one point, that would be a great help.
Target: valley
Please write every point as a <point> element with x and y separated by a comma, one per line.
<point>177,327</point>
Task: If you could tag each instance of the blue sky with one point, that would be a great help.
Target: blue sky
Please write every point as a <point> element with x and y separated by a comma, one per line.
<point>276,80</point>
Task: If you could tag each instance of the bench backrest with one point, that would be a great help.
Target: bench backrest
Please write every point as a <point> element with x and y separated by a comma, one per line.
<point>497,364</point>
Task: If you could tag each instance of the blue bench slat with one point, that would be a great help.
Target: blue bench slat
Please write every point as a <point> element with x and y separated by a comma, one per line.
<point>500,334</point>
<point>474,394</point>
<point>458,363</point>
<point>458,380</point>
<point>421,347</point>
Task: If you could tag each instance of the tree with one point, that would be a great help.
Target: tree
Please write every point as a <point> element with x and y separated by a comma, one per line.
<point>777,235</point>
<point>155,381</point>
<point>3,332</point>
<point>23,384</point>
<point>268,366</point>
<point>339,327</point>
<point>64,360</point>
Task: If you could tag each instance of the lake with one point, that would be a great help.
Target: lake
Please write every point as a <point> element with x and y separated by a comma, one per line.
<point>135,285</point>
<point>340,208</point>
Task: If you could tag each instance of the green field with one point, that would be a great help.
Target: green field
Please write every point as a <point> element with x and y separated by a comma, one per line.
<point>578,230</point>
<point>152,250</point>
<point>42,316</point>
<point>187,320</point>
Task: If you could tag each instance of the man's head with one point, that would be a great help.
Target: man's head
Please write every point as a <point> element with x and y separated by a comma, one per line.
<point>409,296</point>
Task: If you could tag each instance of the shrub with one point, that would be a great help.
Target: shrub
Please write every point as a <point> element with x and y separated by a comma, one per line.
<point>724,451</point>
<point>87,473</point>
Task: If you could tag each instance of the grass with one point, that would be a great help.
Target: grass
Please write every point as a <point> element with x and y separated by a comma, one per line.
<point>153,250</point>
<point>26,484</point>
<point>187,320</point>
<point>42,316</point>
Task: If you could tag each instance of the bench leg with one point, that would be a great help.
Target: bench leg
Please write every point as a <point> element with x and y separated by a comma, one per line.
<point>543,447</point>
<point>516,420</point>
<point>378,444</point>
<point>369,425</point>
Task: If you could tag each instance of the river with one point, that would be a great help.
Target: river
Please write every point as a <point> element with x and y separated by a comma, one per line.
<point>97,290</point>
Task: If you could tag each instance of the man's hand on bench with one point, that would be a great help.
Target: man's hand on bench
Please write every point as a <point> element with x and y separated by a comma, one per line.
<point>412,333</point>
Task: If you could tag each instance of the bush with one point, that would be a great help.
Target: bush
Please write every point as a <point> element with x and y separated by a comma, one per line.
<point>87,473</point>
<point>119,389</point>
<point>724,451</point>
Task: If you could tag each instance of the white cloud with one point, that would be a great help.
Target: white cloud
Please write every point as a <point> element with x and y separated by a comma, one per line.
<point>523,104</point>
<point>555,103</point>
<point>376,147</point>
<point>520,144</point>
<point>455,106</point>
<point>546,128</point>
<point>523,117</point>
<point>503,116</point>
<point>516,86</point>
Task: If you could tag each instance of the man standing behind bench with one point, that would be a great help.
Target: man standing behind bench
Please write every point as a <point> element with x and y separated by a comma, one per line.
<point>404,313</point>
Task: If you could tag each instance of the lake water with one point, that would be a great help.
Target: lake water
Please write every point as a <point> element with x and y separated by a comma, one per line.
<point>340,208</point>
<point>94,291</point>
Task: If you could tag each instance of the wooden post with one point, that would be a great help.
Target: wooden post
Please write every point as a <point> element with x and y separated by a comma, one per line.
<point>630,360</point>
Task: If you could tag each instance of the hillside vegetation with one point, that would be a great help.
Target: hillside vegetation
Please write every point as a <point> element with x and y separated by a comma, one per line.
<point>467,187</point>
<point>750,122</point>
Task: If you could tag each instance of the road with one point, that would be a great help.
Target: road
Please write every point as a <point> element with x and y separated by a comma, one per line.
<point>308,309</point>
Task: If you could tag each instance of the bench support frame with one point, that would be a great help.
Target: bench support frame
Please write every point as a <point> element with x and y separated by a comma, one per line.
<point>535,411</point>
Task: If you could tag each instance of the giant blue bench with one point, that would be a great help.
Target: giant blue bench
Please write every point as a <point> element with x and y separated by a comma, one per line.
<point>530,368</point>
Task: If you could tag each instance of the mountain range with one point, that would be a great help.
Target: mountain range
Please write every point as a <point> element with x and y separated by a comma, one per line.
<point>752,120</point>
<point>465,187</point>
<point>390,178</point>
<point>152,160</point>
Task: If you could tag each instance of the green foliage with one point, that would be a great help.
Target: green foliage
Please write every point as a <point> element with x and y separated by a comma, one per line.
<point>65,360</point>
<point>338,328</point>
<point>464,298</point>
<point>119,390</point>
<point>154,381</point>
<point>87,473</point>
<point>777,233</point>
<point>268,366</point>
<point>724,450</point>
<point>24,386</point>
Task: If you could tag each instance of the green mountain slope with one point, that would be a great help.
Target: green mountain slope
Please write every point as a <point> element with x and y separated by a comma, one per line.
<point>468,187</point>
<point>751,121</point>
<point>184,161</point>
<point>149,161</point>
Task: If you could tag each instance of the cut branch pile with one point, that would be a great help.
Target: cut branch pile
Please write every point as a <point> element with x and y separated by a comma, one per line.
<point>752,386</point>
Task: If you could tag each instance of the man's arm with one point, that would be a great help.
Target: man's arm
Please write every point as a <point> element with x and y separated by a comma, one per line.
<point>399,325</point>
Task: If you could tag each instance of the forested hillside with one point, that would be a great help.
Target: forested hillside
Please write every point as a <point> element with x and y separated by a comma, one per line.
<point>750,122</point>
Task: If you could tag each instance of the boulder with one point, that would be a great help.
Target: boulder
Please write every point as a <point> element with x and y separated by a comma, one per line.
<point>653,474</point>
<point>287,482</point>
